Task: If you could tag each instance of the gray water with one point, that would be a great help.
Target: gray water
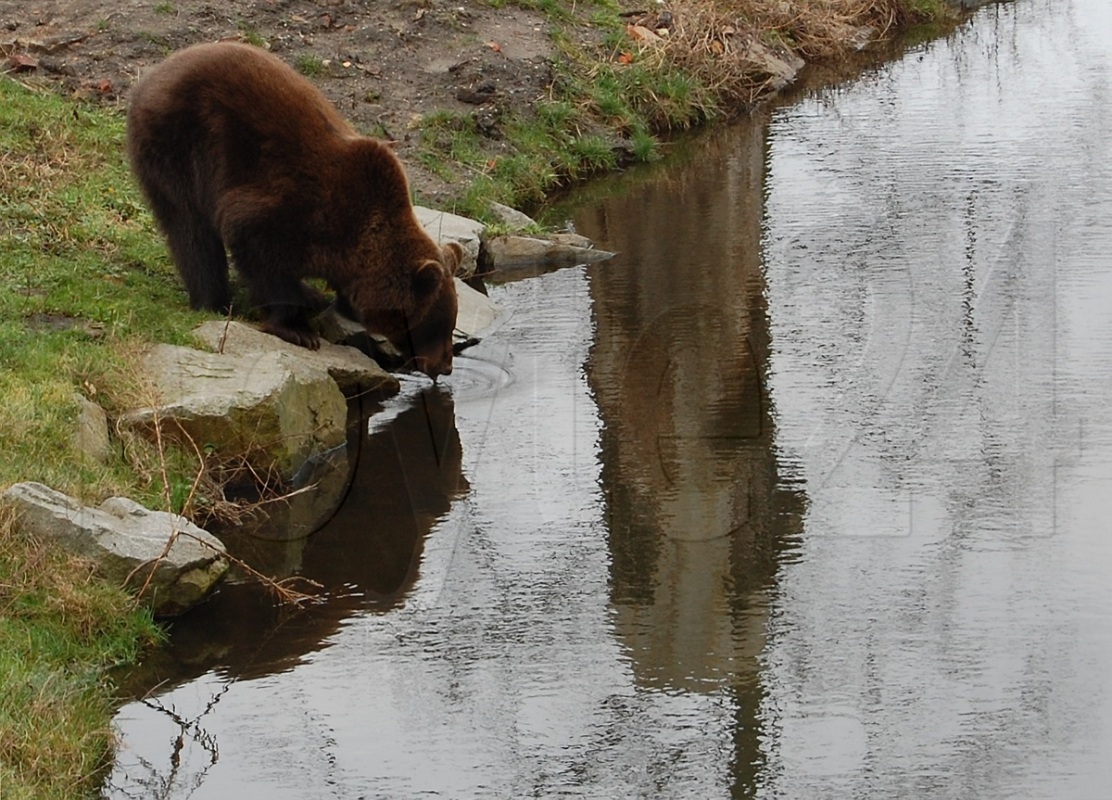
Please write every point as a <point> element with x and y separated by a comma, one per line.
<point>803,495</point>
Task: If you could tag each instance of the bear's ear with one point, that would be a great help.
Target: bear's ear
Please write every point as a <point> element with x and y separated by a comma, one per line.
<point>428,277</point>
<point>453,256</point>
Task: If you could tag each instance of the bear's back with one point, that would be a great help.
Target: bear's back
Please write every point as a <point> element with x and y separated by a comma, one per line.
<point>236,91</point>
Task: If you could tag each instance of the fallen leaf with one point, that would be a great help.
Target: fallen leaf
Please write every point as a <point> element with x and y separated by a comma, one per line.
<point>495,46</point>
<point>625,58</point>
<point>717,47</point>
<point>639,33</point>
<point>21,62</point>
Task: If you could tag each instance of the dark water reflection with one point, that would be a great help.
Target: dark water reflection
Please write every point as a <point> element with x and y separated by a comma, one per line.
<point>697,512</point>
<point>803,495</point>
<point>400,475</point>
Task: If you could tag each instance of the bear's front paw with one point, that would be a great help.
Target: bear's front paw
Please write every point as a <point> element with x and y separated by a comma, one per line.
<point>302,337</point>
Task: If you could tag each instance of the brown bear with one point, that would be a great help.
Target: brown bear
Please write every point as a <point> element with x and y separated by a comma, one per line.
<point>236,152</point>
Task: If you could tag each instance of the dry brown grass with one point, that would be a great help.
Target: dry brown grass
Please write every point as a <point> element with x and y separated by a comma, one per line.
<point>59,627</point>
<point>825,28</point>
<point>724,43</point>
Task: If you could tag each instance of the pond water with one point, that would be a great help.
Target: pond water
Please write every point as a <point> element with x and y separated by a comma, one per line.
<point>805,494</point>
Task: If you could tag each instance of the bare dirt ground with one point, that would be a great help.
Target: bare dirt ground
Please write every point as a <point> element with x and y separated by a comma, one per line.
<point>384,64</point>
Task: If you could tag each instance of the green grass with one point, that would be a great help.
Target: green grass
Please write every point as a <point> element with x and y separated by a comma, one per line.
<point>582,130</point>
<point>252,36</point>
<point>84,282</point>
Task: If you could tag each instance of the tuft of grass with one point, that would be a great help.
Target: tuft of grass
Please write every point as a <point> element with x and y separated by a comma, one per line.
<point>164,8</point>
<point>454,137</point>
<point>643,145</point>
<point>250,34</point>
<point>555,115</point>
<point>158,40</point>
<point>310,66</point>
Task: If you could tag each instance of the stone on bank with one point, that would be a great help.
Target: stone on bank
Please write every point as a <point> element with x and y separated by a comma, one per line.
<point>170,560</point>
<point>352,370</point>
<point>269,407</point>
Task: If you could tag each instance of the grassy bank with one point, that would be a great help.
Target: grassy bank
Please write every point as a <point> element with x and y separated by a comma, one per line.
<point>85,282</point>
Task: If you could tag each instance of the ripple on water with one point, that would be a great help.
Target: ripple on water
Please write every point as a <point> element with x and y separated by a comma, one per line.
<point>474,376</point>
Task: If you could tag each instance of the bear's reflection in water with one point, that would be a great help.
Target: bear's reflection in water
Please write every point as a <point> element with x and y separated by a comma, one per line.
<point>365,558</point>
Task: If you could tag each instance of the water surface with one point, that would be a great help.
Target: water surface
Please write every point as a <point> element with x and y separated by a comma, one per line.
<point>803,495</point>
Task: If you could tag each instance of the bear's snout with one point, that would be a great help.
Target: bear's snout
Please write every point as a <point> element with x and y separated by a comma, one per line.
<point>432,367</point>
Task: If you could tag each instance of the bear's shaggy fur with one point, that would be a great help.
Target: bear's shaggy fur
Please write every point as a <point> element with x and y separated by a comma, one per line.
<point>237,153</point>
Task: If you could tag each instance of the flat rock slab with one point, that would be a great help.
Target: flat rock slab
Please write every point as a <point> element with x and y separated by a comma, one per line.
<point>446,227</point>
<point>476,312</point>
<point>352,370</point>
<point>270,408</point>
<point>177,562</point>
<point>511,252</point>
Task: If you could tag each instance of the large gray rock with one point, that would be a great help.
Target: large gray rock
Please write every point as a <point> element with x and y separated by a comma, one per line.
<point>352,370</point>
<point>511,217</point>
<point>272,408</point>
<point>127,543</point>
<point>510,252</point>
<point>445,227</point>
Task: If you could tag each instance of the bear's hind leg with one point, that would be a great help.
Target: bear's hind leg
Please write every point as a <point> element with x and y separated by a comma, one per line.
<point>203,266</point>
<point>198,253</point>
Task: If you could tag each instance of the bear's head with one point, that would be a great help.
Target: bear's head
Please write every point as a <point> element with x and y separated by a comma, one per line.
<point>415,308</point>
<point>428,342</point>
